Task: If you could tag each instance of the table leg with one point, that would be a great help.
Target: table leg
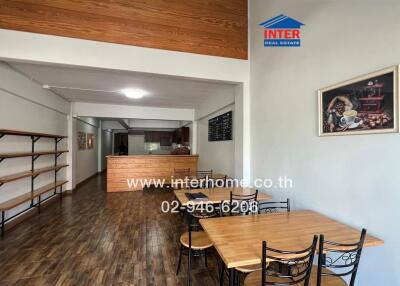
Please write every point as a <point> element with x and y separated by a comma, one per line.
<point>2,223</point>
<point>232,276</point>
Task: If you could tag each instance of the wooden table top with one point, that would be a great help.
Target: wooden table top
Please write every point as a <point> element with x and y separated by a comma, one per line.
<point>238,239</point>
<point>218,195</point>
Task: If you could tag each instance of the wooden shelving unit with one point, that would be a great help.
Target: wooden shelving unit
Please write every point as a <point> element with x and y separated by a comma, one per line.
<point>29,154</point>
<point>33,173</point>
<point>21,175</point>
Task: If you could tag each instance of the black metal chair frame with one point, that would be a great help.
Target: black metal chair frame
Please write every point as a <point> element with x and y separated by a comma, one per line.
<point>214,185</point>
<point>268,207</point>
<point>347,261</point>
<point>182,171</point>
<point>237,198</point>
<point>204,174</point>
<point>240,199</point>
<point>271,207</point>
<point>201,175</point>
<point>181,174</point>
<point>189,251</point>
<point>296,274</point>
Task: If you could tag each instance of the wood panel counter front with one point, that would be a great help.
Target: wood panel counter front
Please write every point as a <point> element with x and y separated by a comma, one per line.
<point>120,169</point>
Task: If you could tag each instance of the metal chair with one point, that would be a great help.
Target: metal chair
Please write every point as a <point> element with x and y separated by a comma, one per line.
<point>220,182</point>
<point>272,207</point>
<point>193,243</point>
<point>236,204</point>
<point>201,180</point>
<point>181,174</point>
<point>299,264</point>
<point>203,174</point>
<point>342,258</point>
<point>241,204</point>
<point>266,207</point>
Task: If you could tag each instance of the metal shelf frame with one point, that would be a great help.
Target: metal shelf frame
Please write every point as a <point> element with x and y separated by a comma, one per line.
<point>35,137</point>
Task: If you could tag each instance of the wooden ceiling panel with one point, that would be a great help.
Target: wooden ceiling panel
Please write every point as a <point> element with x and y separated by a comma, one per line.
<point>214,27</point>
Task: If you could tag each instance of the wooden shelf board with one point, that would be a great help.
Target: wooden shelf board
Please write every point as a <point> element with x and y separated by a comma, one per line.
<point>12,203</point>
<point>48,188</point>
<point>28,154</point>
<point>21,175</point>
<point>4,206</point>
<point>27,133</point>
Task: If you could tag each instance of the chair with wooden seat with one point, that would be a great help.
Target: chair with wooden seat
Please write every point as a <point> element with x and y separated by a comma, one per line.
<point>193,243</point>
<point>181,173</point>
<point>242,204</point>
<point>299,264</point>
<point>238,205</point>
<point>179,176</point>
<point>219,182</point>
<point>266,207</point>
<point>273,207</point>
<point>337,260</point>
<point>203,174</point>
<point>200,180</point>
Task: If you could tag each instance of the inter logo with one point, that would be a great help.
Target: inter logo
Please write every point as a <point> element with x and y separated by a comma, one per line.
<point>282,31</point>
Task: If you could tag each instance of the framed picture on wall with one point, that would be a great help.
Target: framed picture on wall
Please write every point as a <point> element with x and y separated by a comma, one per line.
<point>81,140</point>
<point>90,140</point>
<point>363,105</point>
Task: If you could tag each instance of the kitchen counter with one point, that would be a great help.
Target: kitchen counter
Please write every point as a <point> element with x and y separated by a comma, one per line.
<point>121,169</point>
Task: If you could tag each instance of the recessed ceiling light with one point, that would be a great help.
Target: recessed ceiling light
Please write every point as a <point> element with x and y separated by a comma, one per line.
<point>46,86</point>
<point>134,93</point>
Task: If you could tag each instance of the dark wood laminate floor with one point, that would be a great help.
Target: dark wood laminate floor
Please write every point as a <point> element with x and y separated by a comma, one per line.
<point>95,238</point>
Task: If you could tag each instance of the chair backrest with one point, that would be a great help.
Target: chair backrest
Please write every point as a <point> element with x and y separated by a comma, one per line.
<point>193,221</point>
<point>299,265</point>
<point>203,174</point>
<point>342,258</point>
<point>218,182</point>
<point>181,173</point>
<point>273,207</point>
<point>242,203</point>
<point>179,178</point>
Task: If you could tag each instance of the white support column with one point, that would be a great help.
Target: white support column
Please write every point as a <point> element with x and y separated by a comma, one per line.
<point>194,136</point>
<point>99,147</point>
<point>71,155</point>
<point>247,172</point>
<point>112,142</point>
<point>238,131</point>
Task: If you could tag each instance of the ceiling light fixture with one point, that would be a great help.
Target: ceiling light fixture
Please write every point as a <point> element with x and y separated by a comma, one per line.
<point>133,93</point>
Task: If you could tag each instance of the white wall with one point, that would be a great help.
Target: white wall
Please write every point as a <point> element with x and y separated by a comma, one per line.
<point>216,155</point>
<point>353,179</point>
<point>219,155</point>
<point>219,100</point>
<point>25,106</point>
<point>87,159</point>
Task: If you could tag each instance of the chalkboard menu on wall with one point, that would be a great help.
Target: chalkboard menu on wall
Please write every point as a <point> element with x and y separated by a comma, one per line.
<point>220,127</point>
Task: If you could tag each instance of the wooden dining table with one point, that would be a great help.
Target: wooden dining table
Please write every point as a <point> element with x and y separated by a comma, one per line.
<point>217,195</point>
<point>238,239</point>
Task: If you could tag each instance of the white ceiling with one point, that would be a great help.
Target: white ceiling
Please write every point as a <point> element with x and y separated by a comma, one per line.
<point>164,91</point>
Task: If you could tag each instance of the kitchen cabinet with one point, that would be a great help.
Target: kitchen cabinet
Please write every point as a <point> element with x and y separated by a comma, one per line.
<point>162,137</point>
